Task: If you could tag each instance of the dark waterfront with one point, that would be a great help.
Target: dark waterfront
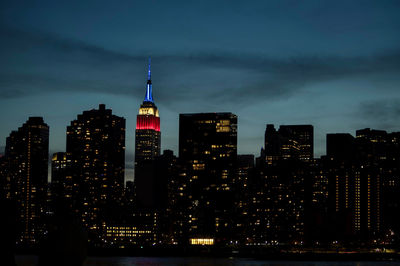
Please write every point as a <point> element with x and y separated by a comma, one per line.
<point>27,260</point>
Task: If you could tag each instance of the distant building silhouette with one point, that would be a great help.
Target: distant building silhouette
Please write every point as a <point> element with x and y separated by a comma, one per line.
<point>290,142</point>
<point>166,180</point>
<point>339,167</point>
<point>373,159</point>
<point>64,187</point>
<point>317,225</point>
<point>208,150</point>
<point>25,175</point>
<point>362,175</point>
<point>390,190</point>
<point>282,187</point>
<point>96,146</point>
<point>243,197</point>
<point>280,195</point>
<point>340,146</point>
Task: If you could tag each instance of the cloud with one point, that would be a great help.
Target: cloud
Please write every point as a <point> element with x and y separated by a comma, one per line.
<point>240,80</point>
<point>384,112</point>
<point>37,62</point>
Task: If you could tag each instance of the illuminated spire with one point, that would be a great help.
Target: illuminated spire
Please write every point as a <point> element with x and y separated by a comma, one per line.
<point>149,93</point>
<point>149,71</point>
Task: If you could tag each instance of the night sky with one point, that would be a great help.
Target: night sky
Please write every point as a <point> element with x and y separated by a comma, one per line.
<point>332,64</point>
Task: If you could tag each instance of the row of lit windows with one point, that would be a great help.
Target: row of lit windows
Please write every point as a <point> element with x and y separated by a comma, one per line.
<point>198,166</point>
<point>202,241</point>
<point>125,232</point>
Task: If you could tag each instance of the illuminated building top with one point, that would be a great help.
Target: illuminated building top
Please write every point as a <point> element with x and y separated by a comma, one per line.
<point>148,118</point>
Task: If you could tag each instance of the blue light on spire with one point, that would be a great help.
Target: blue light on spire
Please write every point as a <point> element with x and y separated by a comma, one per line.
<point>149,71</point>
<point>149,93</point>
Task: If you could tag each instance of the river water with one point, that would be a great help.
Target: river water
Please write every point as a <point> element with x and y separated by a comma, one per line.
<point>197,261</point>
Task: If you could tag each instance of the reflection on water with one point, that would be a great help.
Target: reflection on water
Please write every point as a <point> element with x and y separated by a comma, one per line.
<point>150,261</point>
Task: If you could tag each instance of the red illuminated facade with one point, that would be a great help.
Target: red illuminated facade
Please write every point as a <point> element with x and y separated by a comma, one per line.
<point>148,122</point>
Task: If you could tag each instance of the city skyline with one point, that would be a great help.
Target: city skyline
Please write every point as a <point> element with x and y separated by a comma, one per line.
<point>332,65</point>
<point>208,195</point>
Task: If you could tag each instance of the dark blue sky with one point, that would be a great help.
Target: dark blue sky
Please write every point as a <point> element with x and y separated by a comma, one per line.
<point>333,64</point>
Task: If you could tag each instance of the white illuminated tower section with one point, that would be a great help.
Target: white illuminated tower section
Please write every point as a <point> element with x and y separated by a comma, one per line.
<point>148,135</point>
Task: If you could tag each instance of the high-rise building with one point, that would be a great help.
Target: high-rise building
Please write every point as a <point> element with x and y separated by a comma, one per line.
<point>166,181</point>
<point>391,187</point>
<point>208,150</point>
<point>340,169</point>
<point>148,134</point>
<point>340,146</point>
<point>147,148</point>
<point>363,183</point>
<point>316,224</point>
<point>244,182</point>
<point>290,142</point>
<point>63,186</point>
<point>278,203</point>
<point>281,188</point>
<point>372,155</point>
<point>272,145</point>
<point>26,159</point>
<point>96,146</point>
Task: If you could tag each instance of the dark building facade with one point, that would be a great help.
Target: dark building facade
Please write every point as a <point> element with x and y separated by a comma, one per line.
<point>64,187</point>
<point>165,180</point>
<point>290,142</point>
<point>277,209</point>
<point>390,190</point>
<point>96,146</point>
<point>340,146</point>
<point>25,174</point>
<point>243,197</point>
<point>363,181</point>
<point>339,166</point>
<point>375,168</point>
<point>208,151</point>
<point>282,186</point>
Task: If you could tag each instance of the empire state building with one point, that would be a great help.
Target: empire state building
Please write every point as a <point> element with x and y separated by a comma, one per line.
<point>148,135</point>
<point>147,148</point>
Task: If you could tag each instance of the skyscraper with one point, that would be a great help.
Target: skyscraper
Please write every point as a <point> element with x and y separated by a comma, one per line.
<point>244,180</point>
<point>63,186</point>
<point>147,147</point>
<point>289,142</point>
<point>281,192</point>
<point>208,150</point>
<point>340,146</point>
<point>373,147</point>
<point>26,157</point>
<point>363,183</point>
<point>96,146</point>
<point>148,134</point>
